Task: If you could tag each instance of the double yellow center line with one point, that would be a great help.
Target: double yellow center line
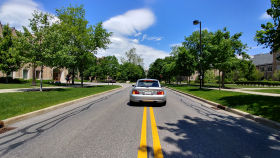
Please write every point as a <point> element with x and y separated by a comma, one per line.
<point>142,151</point>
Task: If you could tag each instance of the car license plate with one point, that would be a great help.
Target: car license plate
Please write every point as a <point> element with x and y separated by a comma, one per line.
<point>148,93</point>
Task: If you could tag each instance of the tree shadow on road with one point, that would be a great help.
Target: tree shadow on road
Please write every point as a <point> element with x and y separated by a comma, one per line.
<point>212,134</point>
<point>218,137</point>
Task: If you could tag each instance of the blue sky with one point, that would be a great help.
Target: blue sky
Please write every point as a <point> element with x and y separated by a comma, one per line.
<point>152,26</point>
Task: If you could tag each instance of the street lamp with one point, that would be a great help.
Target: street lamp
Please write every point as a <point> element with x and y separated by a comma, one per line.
<point>195,22</point>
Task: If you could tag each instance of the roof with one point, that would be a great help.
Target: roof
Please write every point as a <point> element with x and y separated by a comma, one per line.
<point>262,59</point>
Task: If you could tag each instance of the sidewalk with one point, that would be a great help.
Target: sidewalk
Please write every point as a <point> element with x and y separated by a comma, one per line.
<point>86,84</point>
<point>243,90</point>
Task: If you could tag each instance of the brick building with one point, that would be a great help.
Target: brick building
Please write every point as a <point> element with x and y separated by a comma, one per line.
<point>267,63</point>
<point>26,71</point>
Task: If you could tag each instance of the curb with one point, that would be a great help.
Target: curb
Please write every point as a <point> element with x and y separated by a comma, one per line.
<point>12,120</point>
<point>255,118</point>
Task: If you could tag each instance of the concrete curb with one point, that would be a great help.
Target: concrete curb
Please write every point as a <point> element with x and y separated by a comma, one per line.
<point>258,119</point>
<point>48,109</point>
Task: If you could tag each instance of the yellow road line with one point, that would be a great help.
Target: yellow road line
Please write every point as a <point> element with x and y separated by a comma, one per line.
<point>142,151</point>
<point>156,142</point>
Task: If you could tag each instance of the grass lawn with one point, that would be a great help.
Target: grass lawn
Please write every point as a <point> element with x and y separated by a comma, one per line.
<point>27,84</point>
<point>265,106</point>
<point>276,91</point>
<point>13,104</point>
<point>215,85</point>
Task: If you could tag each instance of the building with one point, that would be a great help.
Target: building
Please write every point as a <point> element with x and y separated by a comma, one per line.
<point>265,63</point>
<point>26,71</point>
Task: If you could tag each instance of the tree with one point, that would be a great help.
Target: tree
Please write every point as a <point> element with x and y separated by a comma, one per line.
<point>185,62</point>
<point>131,72</point>
<point>38,45</point>
<point>108,66</point>
<point>269,35</point>
<point>132,57</point>
<point>224,49</point>
<point>276,75</point>
<point>192,43</point>
<point>10,58</point>
<point>155,69</point>
<point>80,40</point>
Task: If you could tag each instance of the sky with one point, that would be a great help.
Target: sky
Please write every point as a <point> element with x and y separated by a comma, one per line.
<point>152,26</point>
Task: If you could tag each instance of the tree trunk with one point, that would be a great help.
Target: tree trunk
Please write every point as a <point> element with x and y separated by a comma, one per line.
<point>82,79</point>
<point>219,80</point>
<point>73,76</point>
<point>33,75</point>
<point>202,78</point>
<point>41,79</point>
<point>7,80</point>
<point>223,79</point>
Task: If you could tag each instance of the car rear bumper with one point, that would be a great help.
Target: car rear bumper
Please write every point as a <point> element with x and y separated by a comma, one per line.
<point>148,98</point>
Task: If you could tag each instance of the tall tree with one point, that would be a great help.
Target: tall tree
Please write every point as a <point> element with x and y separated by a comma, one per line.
<point>10,58</point>
<point>132,57</point>
<point>185,62</point>
<point>80,40</point>
<point>38,44</point>
<point>224,49</point>
<point>203,60</point>
<point>269,35</point>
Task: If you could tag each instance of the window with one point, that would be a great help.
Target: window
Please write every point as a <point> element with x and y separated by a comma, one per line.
<point>269,68</point>
<point>25,73</point>
<point>262,68</point>
<point>37,74</point>
<point>148,83</point>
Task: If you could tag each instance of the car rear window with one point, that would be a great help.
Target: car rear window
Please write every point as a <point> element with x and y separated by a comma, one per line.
<point>147,83</point>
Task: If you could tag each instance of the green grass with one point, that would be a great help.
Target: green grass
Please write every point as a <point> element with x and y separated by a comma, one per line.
<point>275,91</point>
<point>27,84</point>
<point>231,86</point>
<point>265,106</point>
<point>13,104</point>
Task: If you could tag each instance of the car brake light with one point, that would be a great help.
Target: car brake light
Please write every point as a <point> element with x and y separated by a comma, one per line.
<point>135,92</point>
<point>160,93</point>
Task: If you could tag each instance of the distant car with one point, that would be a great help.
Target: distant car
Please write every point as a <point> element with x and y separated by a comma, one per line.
<point>147,90</point>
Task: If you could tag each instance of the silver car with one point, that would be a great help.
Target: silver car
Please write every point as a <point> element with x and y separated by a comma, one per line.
<point>147,90</point>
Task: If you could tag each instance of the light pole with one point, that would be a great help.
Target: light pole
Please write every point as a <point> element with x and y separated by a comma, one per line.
<point>195,22</point>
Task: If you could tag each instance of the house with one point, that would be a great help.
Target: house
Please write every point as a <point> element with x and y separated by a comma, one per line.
<point>265,64</point>
<point>56,74</point>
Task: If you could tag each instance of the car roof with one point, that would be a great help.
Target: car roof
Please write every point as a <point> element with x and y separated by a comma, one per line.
<point>147,79</point>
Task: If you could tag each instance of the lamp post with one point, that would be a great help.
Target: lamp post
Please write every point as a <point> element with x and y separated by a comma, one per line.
<point>195,22</point>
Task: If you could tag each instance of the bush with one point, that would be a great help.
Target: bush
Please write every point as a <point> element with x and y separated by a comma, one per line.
<point>10,80</point>
<point>259,83</point>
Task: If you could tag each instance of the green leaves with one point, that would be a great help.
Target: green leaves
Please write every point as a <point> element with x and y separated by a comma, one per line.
<point>269,35</point>
<point>10,58</point>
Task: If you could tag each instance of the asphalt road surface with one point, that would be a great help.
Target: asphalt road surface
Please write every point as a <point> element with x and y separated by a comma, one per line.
<point>107,126</point>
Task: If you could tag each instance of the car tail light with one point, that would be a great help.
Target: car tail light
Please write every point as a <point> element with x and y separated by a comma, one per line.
<point>135,92</point>
<point>160,92</point>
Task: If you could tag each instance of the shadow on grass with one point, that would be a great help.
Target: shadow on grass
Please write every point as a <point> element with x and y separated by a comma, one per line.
<point>218,137</point>
<point>265,106</point>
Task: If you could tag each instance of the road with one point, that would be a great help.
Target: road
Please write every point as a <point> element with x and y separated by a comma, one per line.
<point>107,126</point>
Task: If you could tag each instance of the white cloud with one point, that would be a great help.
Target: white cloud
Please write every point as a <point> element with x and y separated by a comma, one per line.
<point>121,44</point>
<point>152,38</point>
<point>130,22</point>
<point>175,45</point>
<point>17,12</point>
<point>265,16</point>
<point>126,28</point>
